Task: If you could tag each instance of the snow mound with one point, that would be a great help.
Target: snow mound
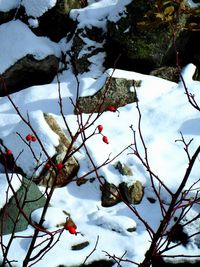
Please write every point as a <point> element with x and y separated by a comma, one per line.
<point>37,8</point>
<point>25,42</point>
<point>112,222</point>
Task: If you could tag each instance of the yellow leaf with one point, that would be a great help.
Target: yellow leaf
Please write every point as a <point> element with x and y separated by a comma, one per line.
<point>168,10</point>
<point>160,15</point>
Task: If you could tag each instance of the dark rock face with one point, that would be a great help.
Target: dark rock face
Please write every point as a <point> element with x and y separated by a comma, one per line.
<point>27,72</point>
<point>55,23</point>
<point>144,38</point>
<point>7,16</point>
<point>10,215</point>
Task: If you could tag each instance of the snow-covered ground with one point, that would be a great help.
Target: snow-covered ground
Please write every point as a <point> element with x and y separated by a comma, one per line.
<point>165,114</point>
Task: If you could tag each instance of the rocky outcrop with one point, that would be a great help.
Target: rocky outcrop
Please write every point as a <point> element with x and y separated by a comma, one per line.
<point>28,71</point>
<point>116,92</point>
<point>145,35</point>
<point>30,198</point>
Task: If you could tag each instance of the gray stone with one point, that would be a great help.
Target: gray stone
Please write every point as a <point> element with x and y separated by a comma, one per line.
<point>123,169</point>
<point>133,193</point>
<point>30,198</point>
<point>116,92</point>
<point>27,72</point>
<point>167,73</point>
<point>110,195</point>
<point>80,246</point>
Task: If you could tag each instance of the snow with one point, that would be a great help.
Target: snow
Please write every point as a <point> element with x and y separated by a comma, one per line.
<point>25,42</point>
<point>6,5</point>
<point>37,8</point>
<point>6,191</point>
<point>165,113</point>
<point>97,13</point>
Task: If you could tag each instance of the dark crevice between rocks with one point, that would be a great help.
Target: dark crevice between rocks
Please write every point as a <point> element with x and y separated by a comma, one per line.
<point>116,57</point>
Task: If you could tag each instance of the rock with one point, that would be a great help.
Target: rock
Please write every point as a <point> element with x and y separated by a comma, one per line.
<point>80,246</point>
<point>10,215</point>
<point>55,22</point>
<point>71,166</point>
<point>145,36</point>
<point>123,169</point>
<point>110,195</point>
<point>167,73</point>
<point>7,15</point>
<point>115,92</point>
<point>133,193</point>
<point>86,43</point>
<point>27,72</point>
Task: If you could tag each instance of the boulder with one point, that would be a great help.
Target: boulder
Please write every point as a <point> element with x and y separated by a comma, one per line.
<point>116,92</point>
<point>71,166</point>
<point>110,195</point>
<point>133,193</point>
<point>144,35</point>
<point>30,198</point>
<point>167,73</point>
<point>28,71</point>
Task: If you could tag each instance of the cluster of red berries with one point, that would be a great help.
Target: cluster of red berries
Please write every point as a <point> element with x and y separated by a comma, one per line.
<point>31,137</point>
<point>100,127</point>
<point>104,138</point>
<point>59,166</point>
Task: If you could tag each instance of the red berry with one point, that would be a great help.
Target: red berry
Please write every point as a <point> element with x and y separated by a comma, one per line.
<point>48,166</point>
<point>8,152</point>
<point>33,138</point>
<point>29,137</point>
<point>100,128</point>
<point>111,108</point>
<point>105,139</point>
<point>71,228</point>
<point>59,166</point>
